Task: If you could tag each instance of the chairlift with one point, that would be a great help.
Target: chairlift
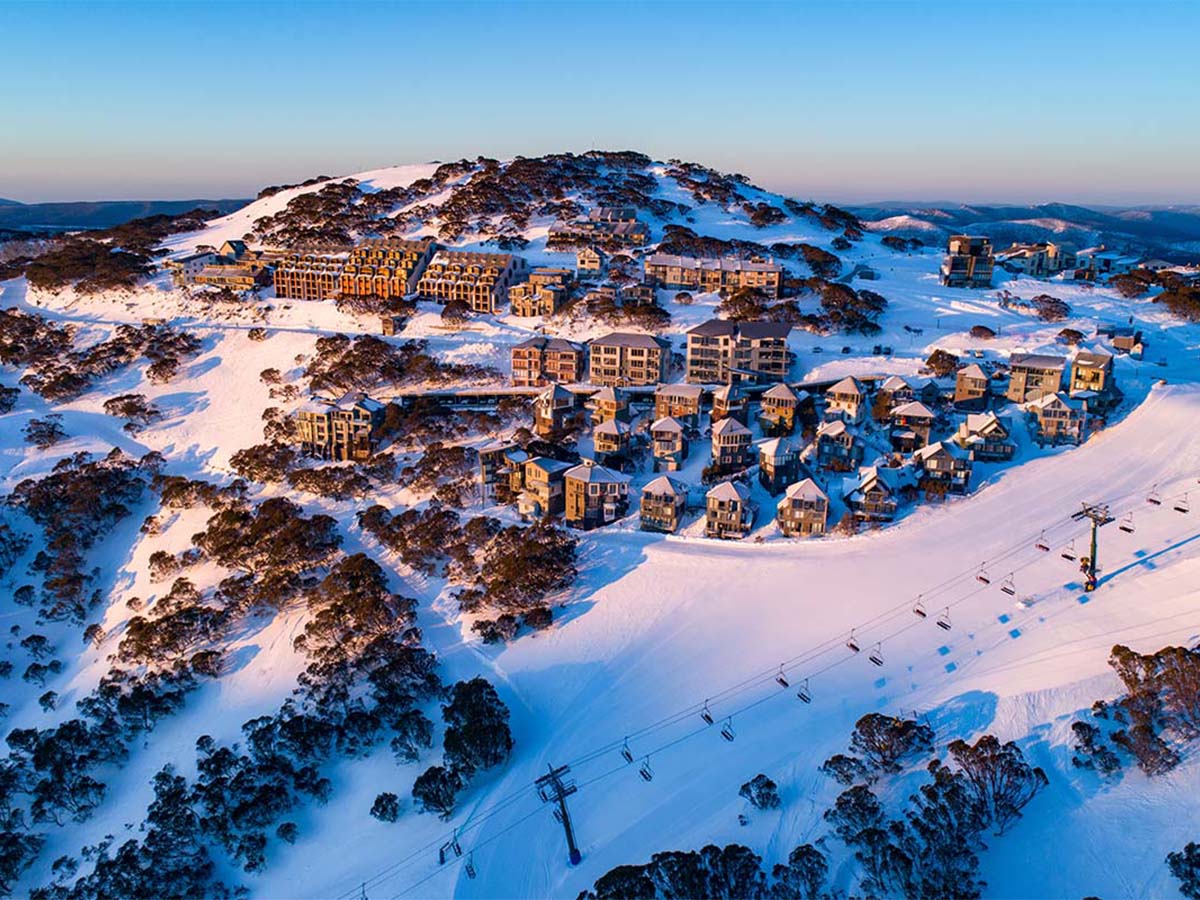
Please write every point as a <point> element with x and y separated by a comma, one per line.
<point>727,731</point>
<point>1008,587</point>
<point>1154,498</point>
<point>853,644</point>
<point>626,753</point>
<point>943,621</point>
<point>1069,553</point>
<point>645,771</point>
<point>804,693</point>
<point>781,679</point>
<point>919,609</point>
<point>469,865</point>
<point>1041,543</point>
<point>982,575</point>
<point>1182,505</point>
<point>706,715</point>
<point>1127,524</point>
<point>1027,601</point>
<point>876,655</point>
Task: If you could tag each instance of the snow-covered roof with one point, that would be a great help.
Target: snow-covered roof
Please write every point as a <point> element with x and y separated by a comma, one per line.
<point>729,425</point>
<point>848,385</point>
<point>664,485</point>
<point>780,392</point>
<point>628,339</point>
<point>894,383</point>
<point>612,426</point>
<point>592,473</point>
<point>607,395</point>
<point>833,429</point>
<point>776,447</point>
<point>690,391</point>
<point>972,370</point>
<point>667,423</point>
<point>803,490</point>
<point>977,423</point>
<point>729,490</point>
<point>914,408</point>
<point>1037,361</point>
<point>1056,399</point>
<point>548,465</point>
<point>724,263</point>
<point>931,450</point>
<point>1092,360</point>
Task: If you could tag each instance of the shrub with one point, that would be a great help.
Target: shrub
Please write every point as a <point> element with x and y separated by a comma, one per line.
<point>386,807</point>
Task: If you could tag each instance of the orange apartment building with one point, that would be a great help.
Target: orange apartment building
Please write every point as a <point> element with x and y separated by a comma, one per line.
<point>386,268</point>
<point>481,280</point>
<point>544,360</point>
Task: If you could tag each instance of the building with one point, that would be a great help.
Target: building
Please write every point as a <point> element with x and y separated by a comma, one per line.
<point>1100,262</point>
<point>391,324</point>
<point>343,431</point>
<point>1124,339</point>
<point>556,410</point>
<point>605,226</point>
<point>972,388</point>
<point>803,511</point>
<point>669,444</point>
<point>778,464</point>
<point>778,410</point>
<point>876,493</point>
<point>942,468</point>
<point>728,510</point>
<point>1059,419</point>
<point>545,360</point>
<point>308,276</point>
<point>1039,260</point>
<point>838,447</point>
<point>633,295</point>
<point>729,401</point>
<point>543,294</point>
<point>497,461</point>
<point>541,487</point>
<point>1092,374</point>
<point>680,401</point>
<point>480,280</point>
<point>730,446</point>
<point>610,440</point>
<point>608,404</point>
<point>912,424</point>
<point>895,390</point>
<point>589,262</point>
<point>1033,375</point>
<point>385,268</point>
<point>622,359</point>
<point>847,400</point>
<point>663,503</point>
<point>595,495</point>
<point>723,275</point>
<point>968,262</point>
<point>235,277</point>
<point>724,352</point>
<point>987,436</point>
<point>184,269</point>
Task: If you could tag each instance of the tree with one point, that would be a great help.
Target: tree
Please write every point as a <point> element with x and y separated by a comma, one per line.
<point>477,733</point>
<point>884,740</point>
<point>845,769</point>
<point>436,790</point>
<point>998,778</point>
<point>803,878</point>
<point>1185,866</point>
<point>44,433</point>
<point>761,791</point>
<point>386,807</point>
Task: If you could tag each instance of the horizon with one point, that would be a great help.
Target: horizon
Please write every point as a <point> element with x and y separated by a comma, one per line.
<point>891,100</point>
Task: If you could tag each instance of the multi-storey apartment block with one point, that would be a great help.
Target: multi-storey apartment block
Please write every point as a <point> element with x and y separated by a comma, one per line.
<point>1092,374</point>
<point>595,495</point>
<point>605,226</point>
<point>723,275</point>
<point>1039,259</point>
<point>968,262</point>
<point>385,268</point>
<point>540,482</point>
<point>480,280</point>
<point>340,431</point>
<point>663,503</point>
<point>972,389</point>
<point>235,277</point>
<point>669,444</point>
<point>728,511</point>
<point>622,359</point>
<point>723,352</point>
<point>543,294</point>
<point>1032,376</point>
<point>803,510</point>
<point>544,360</point>
<point>308,276</point>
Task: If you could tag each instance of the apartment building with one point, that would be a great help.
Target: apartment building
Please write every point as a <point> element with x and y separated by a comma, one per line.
<point>803,511</point>
<point>723,352</point>
<point>385,268</point>
<point>730,446</point>
<point>1039,260</point>
<point>541,484</point>
<point>545,360</point>
<point>623,359</point>
<point>968,262</point>
<point>728,511</point>
<point>589,262</point>
<point>663,503</point>
<point>342,431</point>
<point>1033,375</point>
<point>721,275</point>
<point>543,294</point>
<point>1092,375</point>
<point>680,401</point>
<point>972,388</point>
<point>308,276</point>
<point>235,277</point>
<point>778,464</point>
<point>605,226</point>
<point>595,495</point>
<point>669,444</point>
<point>480,280</point>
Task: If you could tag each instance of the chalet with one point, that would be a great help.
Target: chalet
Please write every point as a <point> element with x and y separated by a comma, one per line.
<point>777,414</point>
<point>912,423</point>
<point>838,447</point>
<point>943,467</point>
<point>480,280</point>
<point>803,511</point>
<point>722,275</point>
<point>987,436</point>
<point>972,388</point>
<point>589,262</point>
<point>1033,375</point>
<point>680,401</point>
<point>497,461</point>
<point>730,446</point>
<point>1092,377</point>
<point>544,360</point>
<point>896,390</point>
<point>968,262</point>
<point>607,404</point>
<point>343,431</point>
<point>1124,339</point>
<point>729,401</point>
<point>669,444</point>
<point>846,400</point>
<point>1101,262</point>
<point>778,464</point>
<point>1040,259</point>
<point>1059,419</point>
<point>605,226</point>
<point>728,511</point>
<point>663,503</point>
<point>595,495</point>
<point>610,439</point>
<point>876,493</point>
<point>623,359</point>
<point>724,352</point>
<point>633,295</point>
<point>555,410</point>
<point>541,487</point>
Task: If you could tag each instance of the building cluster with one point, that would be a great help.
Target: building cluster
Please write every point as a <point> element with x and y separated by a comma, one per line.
<point>604,226</point>
<point>232,266</point>
<point>720,275</point>
<point>344,430</point>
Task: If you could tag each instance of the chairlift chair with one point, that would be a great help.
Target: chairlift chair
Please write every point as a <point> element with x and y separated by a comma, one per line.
<point>943,621</point>
<point>919,609</point>
<point>1154,498</point>
<point>982,575</point>
<point>804,693</point>
<point>626,753</point>
<point>469,865</point>
<point>1041,543</point>
<point>645,771</point>
<point>1182,505</point>
<point>1068,552</point>
<point>1008,587</point>
<point>876,656</point>
<point>1127,524</point>
<point>706,715</point>
<point>727,731</point>
<point>780,678</point>
<point>853,644</point>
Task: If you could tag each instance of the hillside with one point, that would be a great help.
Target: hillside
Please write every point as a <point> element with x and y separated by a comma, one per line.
<point>654,629</point>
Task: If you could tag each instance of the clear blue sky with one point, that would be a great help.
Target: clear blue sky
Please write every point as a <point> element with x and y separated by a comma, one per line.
<point>1073,101</point>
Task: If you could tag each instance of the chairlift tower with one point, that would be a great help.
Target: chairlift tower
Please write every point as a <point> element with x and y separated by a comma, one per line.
<point>1099,516</point>
<point>556,788</point>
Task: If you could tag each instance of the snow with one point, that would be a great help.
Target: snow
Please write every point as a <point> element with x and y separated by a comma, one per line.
<point>659,623</point>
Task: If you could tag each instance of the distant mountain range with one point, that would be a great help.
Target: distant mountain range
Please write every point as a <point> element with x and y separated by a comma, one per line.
<point>17,216</point>
<point>1171,232</point>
